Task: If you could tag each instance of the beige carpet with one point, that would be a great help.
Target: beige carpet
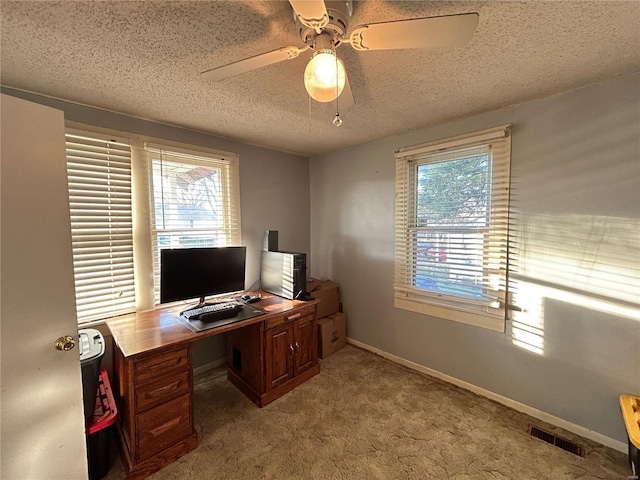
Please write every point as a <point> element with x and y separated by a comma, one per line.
<point>365,417</point>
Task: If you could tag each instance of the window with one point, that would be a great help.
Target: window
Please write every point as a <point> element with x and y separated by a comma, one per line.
<point>99,179</point>
<point>195,201</point>
<point>452,204</point>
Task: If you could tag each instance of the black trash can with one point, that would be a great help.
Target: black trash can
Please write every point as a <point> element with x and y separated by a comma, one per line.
<point>91,352</point>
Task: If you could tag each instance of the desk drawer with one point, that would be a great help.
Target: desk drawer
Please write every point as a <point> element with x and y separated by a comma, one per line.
<point>162,426</point>
<point>294,315</point>
<point>153,365</point>
<point>157,391</point>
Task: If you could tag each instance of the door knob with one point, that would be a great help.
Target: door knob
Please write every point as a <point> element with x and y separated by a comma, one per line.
<point>64,343</point>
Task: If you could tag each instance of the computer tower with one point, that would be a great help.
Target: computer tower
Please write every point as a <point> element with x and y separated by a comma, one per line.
<point>284,274</point>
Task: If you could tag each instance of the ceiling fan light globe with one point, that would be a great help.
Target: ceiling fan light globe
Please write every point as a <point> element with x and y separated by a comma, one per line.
<point>320,77</point>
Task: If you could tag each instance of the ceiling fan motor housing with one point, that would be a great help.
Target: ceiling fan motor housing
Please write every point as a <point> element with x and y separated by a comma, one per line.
<point>339,15</point>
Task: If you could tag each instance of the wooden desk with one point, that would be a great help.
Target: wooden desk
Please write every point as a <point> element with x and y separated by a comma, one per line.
<point>268,355</point>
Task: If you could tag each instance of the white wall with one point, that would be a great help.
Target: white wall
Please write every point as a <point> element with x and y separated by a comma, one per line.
<point>576,202</point>
<point>274,190</point>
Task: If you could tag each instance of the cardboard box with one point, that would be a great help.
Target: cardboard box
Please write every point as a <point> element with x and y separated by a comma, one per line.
<point>332,334</point>
<point>327,292</point>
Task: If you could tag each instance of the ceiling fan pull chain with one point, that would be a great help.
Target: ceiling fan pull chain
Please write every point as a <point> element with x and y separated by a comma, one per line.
<point>337,121</point>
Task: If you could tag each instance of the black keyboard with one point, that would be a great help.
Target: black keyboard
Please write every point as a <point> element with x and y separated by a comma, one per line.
<point>213,312</point>
<point>219,314</point>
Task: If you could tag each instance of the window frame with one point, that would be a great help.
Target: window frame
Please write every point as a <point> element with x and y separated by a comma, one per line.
<point>489,311</point>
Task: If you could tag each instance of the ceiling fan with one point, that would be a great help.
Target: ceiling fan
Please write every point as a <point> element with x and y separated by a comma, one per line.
<point>323,26</point>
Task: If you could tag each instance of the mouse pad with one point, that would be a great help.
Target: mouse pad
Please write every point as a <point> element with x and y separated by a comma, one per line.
<point>197,326</point>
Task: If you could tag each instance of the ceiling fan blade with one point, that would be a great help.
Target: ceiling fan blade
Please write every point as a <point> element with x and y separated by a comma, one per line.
<point>252,63</point>
<point>311,13</point>
<point>345,100</point>
<point>428,32</point>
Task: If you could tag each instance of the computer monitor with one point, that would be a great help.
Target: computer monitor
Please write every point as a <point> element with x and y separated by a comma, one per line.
<point>187,273</point>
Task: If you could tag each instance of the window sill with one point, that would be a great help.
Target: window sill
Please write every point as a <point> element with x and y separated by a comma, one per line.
<point>461,316</point>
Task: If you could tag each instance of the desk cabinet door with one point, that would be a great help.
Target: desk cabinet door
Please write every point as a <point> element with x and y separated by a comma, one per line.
<point>305,344</point>
<point>279,355</point>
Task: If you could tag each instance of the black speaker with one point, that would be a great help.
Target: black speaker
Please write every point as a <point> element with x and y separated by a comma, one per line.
<point>270,241</point>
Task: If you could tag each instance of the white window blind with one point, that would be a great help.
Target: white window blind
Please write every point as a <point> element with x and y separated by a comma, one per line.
<point>452,214</point>
<point>195,201</point>
<point>99,179</point>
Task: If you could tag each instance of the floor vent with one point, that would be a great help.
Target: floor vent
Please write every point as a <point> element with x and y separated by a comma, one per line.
<point>557,441</point>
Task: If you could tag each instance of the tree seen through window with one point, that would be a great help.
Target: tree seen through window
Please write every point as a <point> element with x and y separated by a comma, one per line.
<point>452,205</point>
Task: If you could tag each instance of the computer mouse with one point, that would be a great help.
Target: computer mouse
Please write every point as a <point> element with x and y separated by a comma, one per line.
<point>251,298</point>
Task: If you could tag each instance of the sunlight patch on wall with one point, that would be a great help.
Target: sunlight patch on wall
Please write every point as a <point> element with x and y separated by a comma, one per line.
<point>586,254</point>
<point>527,329</point>
<point>588,261</point>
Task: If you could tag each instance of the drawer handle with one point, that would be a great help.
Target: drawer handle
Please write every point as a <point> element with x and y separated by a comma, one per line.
<point>165,427</point>
<point>161,390</point>
<point>165,365</point>
<point>294,316</point>
<point>291,348</point>
<point>297,346</point>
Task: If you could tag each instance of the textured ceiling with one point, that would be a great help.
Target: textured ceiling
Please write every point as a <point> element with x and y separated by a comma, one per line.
<point>144,59</point>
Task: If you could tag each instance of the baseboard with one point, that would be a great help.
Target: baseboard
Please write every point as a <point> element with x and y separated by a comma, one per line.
<point>520,407</point>
<point>209,366</point>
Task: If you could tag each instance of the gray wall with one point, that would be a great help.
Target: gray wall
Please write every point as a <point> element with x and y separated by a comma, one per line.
<point>576,201</point>
<point>274,189</point>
